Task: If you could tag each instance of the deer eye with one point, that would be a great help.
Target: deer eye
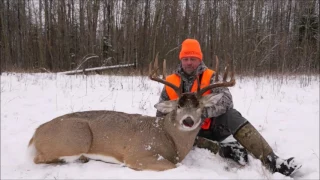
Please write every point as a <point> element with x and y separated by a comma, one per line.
<point>179,106</point>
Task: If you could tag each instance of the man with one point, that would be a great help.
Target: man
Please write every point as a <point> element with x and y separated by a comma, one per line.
<point>222,122</point>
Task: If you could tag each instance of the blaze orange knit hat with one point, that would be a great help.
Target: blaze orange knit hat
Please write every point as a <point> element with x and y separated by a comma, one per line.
<point>190,48</point>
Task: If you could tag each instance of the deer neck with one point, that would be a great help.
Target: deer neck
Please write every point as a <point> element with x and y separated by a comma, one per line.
<point>181,140</point>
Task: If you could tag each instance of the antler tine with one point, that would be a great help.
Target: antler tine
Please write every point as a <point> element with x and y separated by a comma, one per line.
<point>156,64</point>
<point>225,83</point>
<point>153,75</point>
<point>164,69</point>
<point>232,72</point>
<point>216,78</point>
<point>198,82</point>
<point>227,70</point>
<point>230,66</point>
<point>225,74</point>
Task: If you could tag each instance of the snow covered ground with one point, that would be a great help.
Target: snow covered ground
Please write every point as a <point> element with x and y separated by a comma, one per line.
<point>285,111</point>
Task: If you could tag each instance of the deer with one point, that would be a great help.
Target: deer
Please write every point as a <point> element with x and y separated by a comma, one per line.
<point>136,141</point>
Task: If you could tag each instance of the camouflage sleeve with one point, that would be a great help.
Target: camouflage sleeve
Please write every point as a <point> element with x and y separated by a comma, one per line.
<point>163,97</point>
<point>223,105</point>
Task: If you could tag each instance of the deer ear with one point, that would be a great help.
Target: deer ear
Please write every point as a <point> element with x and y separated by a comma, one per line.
<point>166,106</point>
<point>211,99</point>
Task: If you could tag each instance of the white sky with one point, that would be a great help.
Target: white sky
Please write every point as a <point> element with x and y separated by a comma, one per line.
<point>285,113</point>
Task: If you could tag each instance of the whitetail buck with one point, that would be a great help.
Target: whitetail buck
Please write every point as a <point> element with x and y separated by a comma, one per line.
<point>137,141</point>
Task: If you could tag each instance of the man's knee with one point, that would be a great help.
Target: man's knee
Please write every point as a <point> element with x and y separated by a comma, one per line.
<point>232,119</point>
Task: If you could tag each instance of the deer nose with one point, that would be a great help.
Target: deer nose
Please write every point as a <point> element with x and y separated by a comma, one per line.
<point>188,122</point>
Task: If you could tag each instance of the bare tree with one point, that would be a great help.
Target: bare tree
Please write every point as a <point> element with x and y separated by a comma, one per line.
<point>262,36</point>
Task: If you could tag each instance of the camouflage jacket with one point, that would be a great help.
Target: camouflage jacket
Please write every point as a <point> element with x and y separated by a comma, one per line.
<point>214,111</point>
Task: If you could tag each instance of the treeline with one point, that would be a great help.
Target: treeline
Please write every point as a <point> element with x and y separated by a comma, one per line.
<point>269,36</point>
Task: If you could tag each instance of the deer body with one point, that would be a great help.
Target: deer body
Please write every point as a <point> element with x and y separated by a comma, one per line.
<point>140,142</point>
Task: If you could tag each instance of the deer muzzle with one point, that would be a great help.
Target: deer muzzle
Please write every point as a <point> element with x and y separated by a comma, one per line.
<point>188,122</point>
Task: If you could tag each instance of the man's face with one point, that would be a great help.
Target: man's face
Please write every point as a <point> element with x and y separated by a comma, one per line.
<point>190,64</point>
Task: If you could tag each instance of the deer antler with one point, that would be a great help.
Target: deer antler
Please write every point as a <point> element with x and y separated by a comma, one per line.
<point>224,83</point>
<point>153,75</point>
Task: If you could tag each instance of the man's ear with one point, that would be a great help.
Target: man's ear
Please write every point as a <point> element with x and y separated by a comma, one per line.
<point>166,106</point>
<point>211,99</point>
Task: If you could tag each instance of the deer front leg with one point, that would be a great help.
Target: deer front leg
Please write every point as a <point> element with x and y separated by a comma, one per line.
<point>155,163</point>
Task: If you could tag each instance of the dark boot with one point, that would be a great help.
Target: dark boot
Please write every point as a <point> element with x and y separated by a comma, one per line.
<point>283,166</point>
<point>234,151</point>
<point>252,140</point>
<point>205,143</point>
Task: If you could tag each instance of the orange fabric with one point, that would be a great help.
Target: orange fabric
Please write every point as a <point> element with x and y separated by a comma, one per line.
<point>205,81</point>
<point>206,123</point>
<point>175,79</point>
<point>190,48</point>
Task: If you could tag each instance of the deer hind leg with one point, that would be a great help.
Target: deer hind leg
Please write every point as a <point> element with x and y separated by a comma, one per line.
<point>66,144</point>
<point>37,156</point>
<point>83,159</point>
<point>41,159</point>
<point>150,163</point>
